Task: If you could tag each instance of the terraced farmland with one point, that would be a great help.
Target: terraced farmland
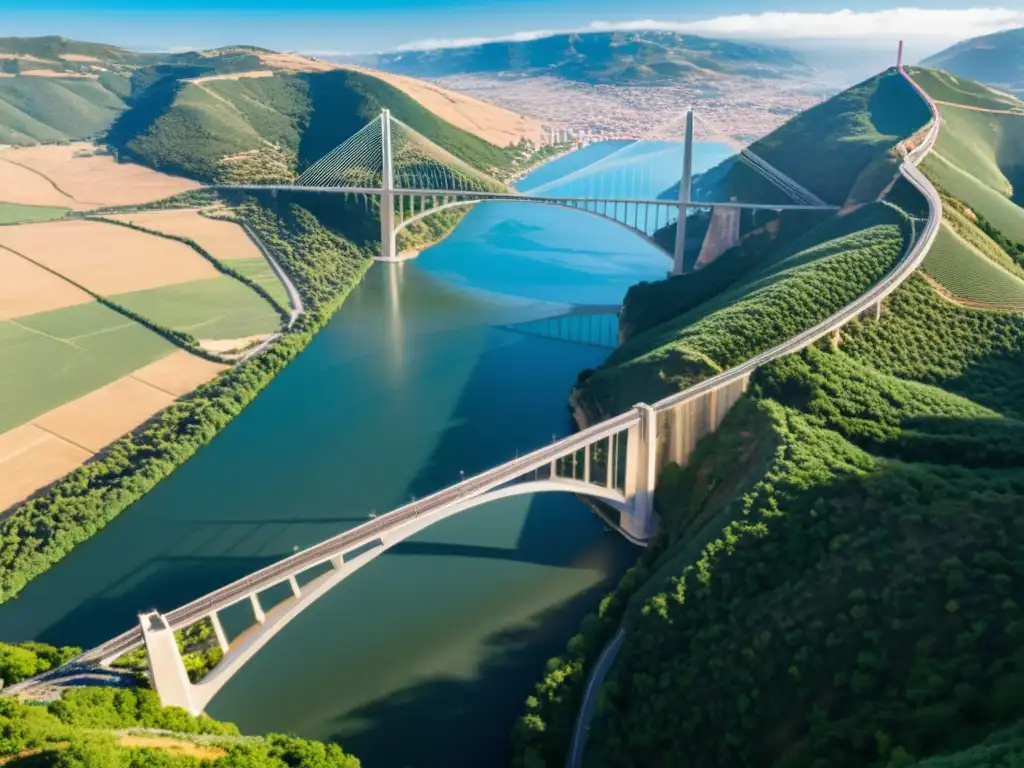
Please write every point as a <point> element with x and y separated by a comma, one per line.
<point>970,276</point>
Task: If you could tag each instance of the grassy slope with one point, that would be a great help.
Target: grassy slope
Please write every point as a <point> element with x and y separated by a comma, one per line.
<point>828,147</point>
<point>56,356</point>
<point>798,286</point>
<point>38,109</point>
<point>217,308</point>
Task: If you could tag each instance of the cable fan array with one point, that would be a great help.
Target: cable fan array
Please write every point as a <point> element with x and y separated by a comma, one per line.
<point>416,162</point>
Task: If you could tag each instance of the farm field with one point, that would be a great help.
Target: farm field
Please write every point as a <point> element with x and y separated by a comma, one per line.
<point>106,258</point>
<point>27,289</point>
<point>260,272</point>
<point>217,308</point>
<point>970,275</point>
<point>33,455</point>
<point>27,187</point>
<point>224,240</point>
<point>91,179</point>
<point>15,213</point>
<point>51,358</point>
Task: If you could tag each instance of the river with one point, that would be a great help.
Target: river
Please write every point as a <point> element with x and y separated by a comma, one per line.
<point>424,657</point>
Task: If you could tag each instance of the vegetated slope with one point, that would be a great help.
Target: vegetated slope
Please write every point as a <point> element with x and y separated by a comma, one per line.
<point>996,59</point>
<point>856,604</point>
<point>792,288</point>
<point>841,150</point>
<point>266,127</point>
<point>619,58</point>
<point>978,166</point>
<point>55,89</point>
<point>106,727</point>
<point>44,109</point>
<point>838,578</point>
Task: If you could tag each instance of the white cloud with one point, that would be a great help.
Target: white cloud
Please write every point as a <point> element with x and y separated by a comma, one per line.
<point>947,25</point>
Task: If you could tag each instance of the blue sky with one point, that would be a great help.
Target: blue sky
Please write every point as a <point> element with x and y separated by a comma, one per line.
<point>372,25</point>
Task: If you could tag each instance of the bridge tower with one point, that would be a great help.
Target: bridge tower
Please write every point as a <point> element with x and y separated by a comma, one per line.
<point>387,195</point>
<point>684,196</point>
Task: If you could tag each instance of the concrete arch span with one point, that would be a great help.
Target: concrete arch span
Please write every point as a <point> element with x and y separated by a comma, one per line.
<point>167,668</point>
<point>553,203</point>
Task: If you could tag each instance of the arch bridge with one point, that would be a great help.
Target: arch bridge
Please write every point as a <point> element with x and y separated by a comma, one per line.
<point>616,462</point>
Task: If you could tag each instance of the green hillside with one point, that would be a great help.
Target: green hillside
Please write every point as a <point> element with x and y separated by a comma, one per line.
<point>838,575</point>
<point>996,59</point>
<point>233,129</point>
<point>835,149</point>
<point>44,110</point>
<point>718,326</point>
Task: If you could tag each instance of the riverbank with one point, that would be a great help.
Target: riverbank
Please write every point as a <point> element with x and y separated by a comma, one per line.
<point>325,268</point>
<point>538,165</point>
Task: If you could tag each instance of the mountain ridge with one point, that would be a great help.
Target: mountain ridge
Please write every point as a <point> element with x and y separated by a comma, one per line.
<point>627,58</point>
<point>996,60</point>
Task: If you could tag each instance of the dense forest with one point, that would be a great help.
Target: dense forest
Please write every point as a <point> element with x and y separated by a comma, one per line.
<point>837,576</point>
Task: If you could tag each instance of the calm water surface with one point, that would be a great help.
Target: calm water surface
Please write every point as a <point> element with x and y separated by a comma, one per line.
<point>424,657</point>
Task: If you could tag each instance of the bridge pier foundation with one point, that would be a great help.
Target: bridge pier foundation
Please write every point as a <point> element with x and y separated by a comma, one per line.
<point>218,631</point>
<point>641,474</point>
<point>166,667</point>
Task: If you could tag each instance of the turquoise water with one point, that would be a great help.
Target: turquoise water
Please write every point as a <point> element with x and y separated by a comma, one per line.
<point>424,657</point>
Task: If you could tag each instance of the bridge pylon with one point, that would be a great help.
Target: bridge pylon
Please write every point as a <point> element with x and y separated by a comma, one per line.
<point>685,188</point>
<point>388,248</point>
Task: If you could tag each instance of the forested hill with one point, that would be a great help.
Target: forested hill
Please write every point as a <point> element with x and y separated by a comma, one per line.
<point>996,59</point>
<point>838,576</point>
<point>619,58</point>
<point>842,149</point>
<point>270,127</point>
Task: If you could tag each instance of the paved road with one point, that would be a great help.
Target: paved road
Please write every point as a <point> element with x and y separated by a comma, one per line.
<point>589,701</point>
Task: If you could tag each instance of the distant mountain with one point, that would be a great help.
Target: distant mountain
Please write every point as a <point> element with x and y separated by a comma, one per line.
<point>623,58</point>
<point>997,60</point>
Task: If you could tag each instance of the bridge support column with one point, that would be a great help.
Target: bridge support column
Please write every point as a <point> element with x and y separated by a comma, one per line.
<point>388,251</point>
<point>218,630</point>
<point>684,197</point>
<point>641,474</point>
<point>257,609</point>
<point>294,584</point>
<point>166,668</point>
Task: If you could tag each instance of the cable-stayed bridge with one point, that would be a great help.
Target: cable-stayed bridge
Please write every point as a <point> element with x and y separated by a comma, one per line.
<point>413,178</point>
